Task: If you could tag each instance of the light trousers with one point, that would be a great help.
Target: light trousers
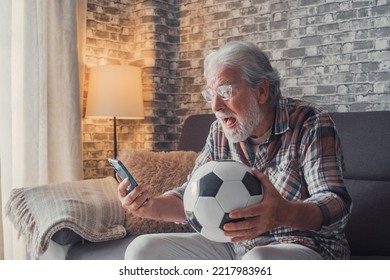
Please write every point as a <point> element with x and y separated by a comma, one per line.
<point>193,246</point>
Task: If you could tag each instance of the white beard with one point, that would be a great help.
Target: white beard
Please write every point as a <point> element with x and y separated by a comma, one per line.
<point>246,123</point>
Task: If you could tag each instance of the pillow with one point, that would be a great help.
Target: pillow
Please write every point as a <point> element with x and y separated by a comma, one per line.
<point>160,171</point>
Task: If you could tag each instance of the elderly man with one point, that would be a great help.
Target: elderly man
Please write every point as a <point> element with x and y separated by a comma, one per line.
<point>293,149</point>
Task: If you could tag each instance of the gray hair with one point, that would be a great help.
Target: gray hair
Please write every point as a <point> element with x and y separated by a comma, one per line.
<point>248,60</point>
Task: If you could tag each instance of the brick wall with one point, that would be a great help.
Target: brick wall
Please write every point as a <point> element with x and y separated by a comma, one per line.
<point>334,53</point>
<point>144,34</point>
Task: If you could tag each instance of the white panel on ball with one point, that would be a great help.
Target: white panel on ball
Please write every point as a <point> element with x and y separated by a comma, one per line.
<point>232,195</point>
<point>191,195</point>
<point>208,212</point>
<point>254,199</point>
<point>203,170</point>
<point>230,170</point>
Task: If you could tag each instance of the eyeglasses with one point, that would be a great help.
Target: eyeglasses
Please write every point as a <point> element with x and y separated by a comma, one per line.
<point>223,91</point>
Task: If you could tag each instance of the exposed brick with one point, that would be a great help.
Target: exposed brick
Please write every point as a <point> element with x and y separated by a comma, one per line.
<point>328,28</point>
<point>328,8</point>
<point>379,32</point>
<point>310,41</point>
<point>311,2</point>
<point>326,89</point>
<point>298,52</point>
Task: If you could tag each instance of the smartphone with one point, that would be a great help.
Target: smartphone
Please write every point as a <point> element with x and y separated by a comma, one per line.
<point>123,173</point>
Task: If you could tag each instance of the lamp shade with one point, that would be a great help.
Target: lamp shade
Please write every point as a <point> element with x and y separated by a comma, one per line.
<point>115,91</point>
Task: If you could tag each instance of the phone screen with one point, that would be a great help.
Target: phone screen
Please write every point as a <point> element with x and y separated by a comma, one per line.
<point>123,173</point>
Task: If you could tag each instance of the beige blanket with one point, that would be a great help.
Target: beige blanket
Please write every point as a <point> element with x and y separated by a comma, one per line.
<point>89,207</point>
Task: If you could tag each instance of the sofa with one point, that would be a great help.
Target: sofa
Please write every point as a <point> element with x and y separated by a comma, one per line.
<point>365,139</point>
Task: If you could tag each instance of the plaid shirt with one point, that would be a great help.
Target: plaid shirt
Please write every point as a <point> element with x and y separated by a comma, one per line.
<point>303,159</point>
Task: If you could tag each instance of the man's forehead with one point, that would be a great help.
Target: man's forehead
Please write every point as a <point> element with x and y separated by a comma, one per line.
<point>224,76</point>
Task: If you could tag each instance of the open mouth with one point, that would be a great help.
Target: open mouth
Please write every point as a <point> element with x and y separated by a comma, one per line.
<point>229,122</point>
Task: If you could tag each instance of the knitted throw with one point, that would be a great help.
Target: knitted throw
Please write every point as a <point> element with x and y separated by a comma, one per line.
<point>89,207</point>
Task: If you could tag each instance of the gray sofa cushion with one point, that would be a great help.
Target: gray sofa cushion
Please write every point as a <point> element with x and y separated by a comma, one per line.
<point>108,250</point>
<point>369,227</point>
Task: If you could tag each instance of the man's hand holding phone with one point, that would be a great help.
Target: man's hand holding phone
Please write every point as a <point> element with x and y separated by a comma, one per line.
<point>133,200</point>
<point>140,201</point>
<point>132,196</point>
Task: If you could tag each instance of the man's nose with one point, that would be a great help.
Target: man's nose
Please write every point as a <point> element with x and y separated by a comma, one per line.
<point>217,104</point>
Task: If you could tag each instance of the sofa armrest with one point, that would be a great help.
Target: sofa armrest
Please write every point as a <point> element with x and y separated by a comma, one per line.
<point>90,208</point>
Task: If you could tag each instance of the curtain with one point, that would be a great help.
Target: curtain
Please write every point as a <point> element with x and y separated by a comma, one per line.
<point>40,113</point>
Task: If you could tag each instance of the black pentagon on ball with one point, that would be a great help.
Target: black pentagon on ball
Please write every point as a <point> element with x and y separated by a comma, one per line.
<point>252,184</point>
<point>193,221</point>
<point>226,219</point>
<point>210,185</point>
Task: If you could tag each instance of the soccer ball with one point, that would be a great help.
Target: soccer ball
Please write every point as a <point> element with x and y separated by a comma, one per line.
<point>215,189</point>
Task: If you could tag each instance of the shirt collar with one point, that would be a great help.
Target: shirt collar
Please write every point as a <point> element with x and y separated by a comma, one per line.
<point>282,118</point>
<point>281,125</point>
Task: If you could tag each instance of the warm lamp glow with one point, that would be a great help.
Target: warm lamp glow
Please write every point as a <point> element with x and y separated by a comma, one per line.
<point>115,91</point>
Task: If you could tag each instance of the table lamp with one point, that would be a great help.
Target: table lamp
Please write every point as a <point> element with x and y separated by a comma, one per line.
<point>115,91</point>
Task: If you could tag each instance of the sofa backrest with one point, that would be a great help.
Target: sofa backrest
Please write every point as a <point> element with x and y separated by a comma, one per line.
<point>194,132</point>
<point>365,140</point>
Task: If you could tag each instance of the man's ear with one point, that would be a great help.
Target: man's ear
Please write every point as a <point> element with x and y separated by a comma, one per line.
<point>263,92</point>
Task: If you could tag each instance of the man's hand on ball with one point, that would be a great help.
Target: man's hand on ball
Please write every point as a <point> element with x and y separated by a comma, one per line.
<point>258,218</point>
